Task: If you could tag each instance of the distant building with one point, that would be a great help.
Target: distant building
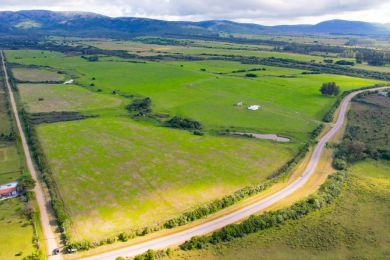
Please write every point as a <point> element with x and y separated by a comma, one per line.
<point>69,82</point>
<point>383,93</point>
<point>8,190</point>
<point>254,107</point>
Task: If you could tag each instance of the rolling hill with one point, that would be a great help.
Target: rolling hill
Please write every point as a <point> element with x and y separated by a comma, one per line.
<point>42,22</point>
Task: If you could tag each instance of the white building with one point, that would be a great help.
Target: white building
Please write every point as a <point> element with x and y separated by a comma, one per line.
<point>69,82</point>
<point>254,107</point>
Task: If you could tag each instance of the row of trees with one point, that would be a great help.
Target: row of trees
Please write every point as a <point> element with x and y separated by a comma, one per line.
<point>372,57</point>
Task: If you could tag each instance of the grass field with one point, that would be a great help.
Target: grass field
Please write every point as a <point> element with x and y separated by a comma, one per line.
<point>36,75</point>
<point>283,94</point>
<point>115,174</point>
<point>16,231</point>
<point>10,166</point>
<point>5,126</point>
<point>356,227</point>
<point>47,98</point>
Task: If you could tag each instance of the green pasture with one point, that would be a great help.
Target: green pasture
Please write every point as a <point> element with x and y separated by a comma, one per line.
<point>355,227</point>
<point>115,174</point>
<point>36,75</point>
<point>16,231</point>
<point>291,102</point>
<point>47,98</point>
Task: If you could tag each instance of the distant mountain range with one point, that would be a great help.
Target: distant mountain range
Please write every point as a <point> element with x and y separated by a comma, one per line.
<point>42,22</point>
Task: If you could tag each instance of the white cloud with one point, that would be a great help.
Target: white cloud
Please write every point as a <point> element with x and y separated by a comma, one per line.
<point>261,11</point>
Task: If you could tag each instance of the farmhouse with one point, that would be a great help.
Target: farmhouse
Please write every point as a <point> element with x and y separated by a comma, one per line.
<point>383,93</point>
<point>8,190</point>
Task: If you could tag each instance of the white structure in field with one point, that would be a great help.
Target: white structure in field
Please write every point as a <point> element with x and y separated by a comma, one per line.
<point>69,82</point>
<point>239,104</point>
<point>254,107</point>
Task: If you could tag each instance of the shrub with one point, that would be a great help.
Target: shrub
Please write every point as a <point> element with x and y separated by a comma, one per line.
<point>251,75</point>
<point>339,164</point>
<point>183,123</point>
<point>330,89</point>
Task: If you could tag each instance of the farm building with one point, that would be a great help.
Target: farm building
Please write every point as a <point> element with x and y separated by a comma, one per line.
<point>254,107</point>
<point>8,190</point>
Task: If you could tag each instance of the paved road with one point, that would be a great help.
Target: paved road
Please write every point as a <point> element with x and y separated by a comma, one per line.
<point>50,239</point>
<point>180,237</point>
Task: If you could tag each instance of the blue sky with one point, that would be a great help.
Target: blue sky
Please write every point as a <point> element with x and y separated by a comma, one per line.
<point>256,11</point>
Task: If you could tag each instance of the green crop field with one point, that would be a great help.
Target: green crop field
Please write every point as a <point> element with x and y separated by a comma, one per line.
<point>36,75</point>
<point>47,98</point>
<point>115,174</point>
<point>355,227</point>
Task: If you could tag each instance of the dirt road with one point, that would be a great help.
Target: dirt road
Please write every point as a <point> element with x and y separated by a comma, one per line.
<point>48,233</point>
<point>180,237</point>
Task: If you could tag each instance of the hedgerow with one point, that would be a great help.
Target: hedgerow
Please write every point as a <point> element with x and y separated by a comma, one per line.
<point>327,193</point>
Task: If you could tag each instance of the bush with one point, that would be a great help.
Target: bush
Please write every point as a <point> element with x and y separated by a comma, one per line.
<point>251,75</point>
<point>339,164</point>
<point>345,63</point>
<point>183,123</point>
<point>140,106</point>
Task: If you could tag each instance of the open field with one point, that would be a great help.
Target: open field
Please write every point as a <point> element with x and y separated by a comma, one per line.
<point>5,126</point>
<point>369,122</point>
<point>47,98</point>
<point>115,174</point>
<point>343,230</point>
<point>16,231</point>
<point>206,97</point>
<point>36,75</point>
<point>10,166</point>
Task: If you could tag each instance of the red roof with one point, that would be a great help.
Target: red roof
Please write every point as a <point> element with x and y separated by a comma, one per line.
<point>8,190</point>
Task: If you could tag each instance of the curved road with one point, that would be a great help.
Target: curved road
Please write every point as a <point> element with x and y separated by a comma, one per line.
<point>213,225</point>
<point>48,233</point>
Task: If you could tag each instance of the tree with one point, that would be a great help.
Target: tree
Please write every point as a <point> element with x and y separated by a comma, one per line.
<point>330,89</point>
<point>26,182</point>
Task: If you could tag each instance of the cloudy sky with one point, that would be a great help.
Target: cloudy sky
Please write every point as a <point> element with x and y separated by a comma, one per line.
<point>257,11</point>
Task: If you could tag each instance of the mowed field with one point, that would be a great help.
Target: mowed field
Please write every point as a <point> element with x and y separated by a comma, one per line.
<point>355,227</point>
<point>291,102</point>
